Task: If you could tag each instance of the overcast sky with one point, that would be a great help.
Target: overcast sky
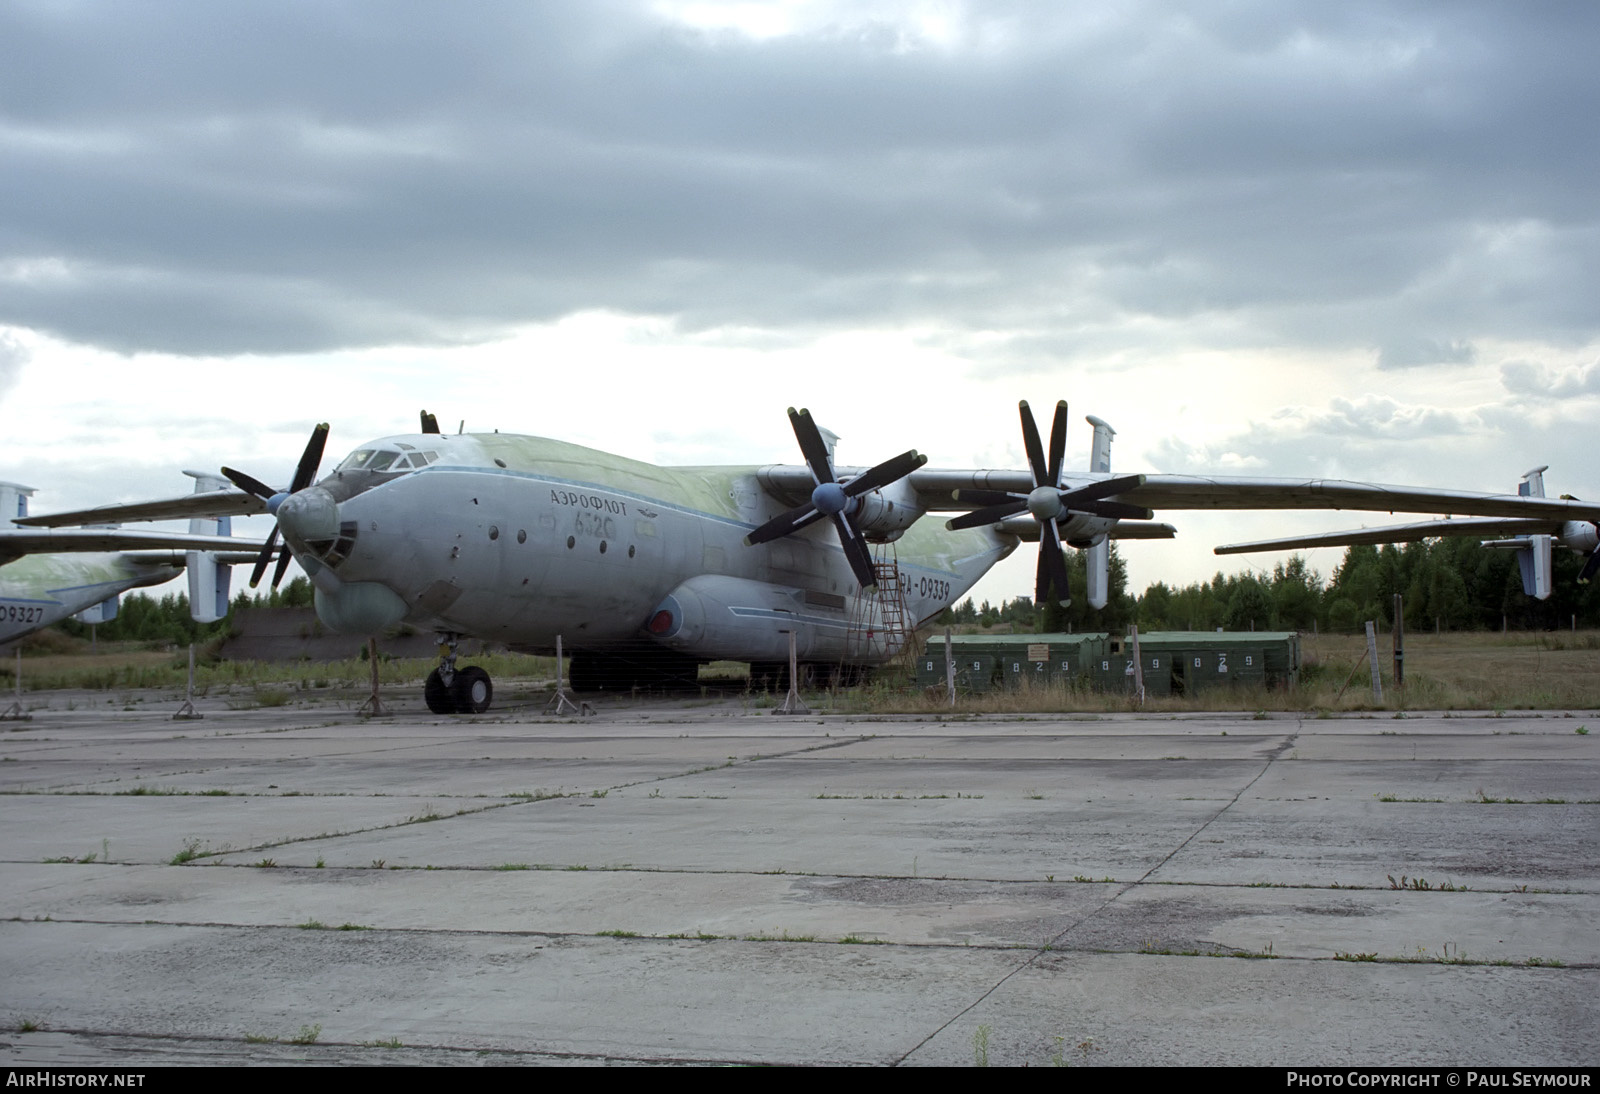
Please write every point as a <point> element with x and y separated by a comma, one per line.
<point>1355,240</point>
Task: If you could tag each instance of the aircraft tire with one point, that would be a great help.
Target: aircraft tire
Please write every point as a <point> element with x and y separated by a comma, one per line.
<point>473,691</point>
<point>437,696</point>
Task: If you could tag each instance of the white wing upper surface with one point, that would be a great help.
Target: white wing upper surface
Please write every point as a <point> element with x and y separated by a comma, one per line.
<point>211,503</point>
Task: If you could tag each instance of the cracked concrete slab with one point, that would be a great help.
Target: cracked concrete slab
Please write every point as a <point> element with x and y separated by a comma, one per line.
<point>714,884</point>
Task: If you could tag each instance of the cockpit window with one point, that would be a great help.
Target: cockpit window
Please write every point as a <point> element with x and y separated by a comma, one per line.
<point>370,459</point>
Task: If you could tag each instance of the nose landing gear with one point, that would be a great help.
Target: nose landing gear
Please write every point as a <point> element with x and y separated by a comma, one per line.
<point>449,690</point>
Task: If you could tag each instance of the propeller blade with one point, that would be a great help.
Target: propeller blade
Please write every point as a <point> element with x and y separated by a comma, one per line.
<point>986,497</point>
<point>264,557</point>
<point>283,564</point>
<point>890,470</point>
<point>1030,442</point>
<point>799,517</point>
<point>310,458</point>
<point>1589,568</point>
<point>1058,442</point>
<point>812,445</point>
<point>1116,510</point>
<point>990,515</point>
<point>248,484</point>
<point>1105,488</point>
<point>855,551</point>
<point>1052,570</point>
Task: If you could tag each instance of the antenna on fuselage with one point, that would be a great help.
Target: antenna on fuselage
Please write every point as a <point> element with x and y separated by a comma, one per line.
<point>462,428</point>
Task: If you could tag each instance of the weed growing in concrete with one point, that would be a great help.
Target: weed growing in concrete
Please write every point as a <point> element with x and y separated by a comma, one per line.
<point>308,1035</point>
<point>190,852</point>
<point>980,1046</point>
<point>1084,1048</point>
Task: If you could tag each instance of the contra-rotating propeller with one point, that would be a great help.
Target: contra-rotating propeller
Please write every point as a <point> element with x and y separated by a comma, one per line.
<point>1048,502</point>
<point>834,499</point>
<point>303,475</point>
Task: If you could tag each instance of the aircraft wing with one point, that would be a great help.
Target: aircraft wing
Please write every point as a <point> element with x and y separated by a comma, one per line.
<point>211,503</point>
<point>16,542</point>
<point>1481,527</point>
<point>936,488</point>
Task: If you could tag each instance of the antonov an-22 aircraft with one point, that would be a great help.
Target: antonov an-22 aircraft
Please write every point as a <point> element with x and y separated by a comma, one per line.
<point>46,576</point>
<point>647,571</point>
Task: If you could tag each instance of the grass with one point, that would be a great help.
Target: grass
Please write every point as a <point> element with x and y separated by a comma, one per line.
<point>191,851</point>
<point>1459,671</point>
<point>128,665</point>
<point>307,1036</point>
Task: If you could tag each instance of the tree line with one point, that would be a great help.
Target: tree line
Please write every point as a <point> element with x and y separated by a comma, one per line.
<point>1444,584</point>
<point>144,618</point>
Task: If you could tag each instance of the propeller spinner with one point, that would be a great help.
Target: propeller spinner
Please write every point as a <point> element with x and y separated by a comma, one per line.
<point>304,473</point>
<point>1048,502</point>
<point>834,499</point>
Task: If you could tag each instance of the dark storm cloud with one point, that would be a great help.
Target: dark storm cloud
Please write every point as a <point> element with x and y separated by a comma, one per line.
<point>277,177</point>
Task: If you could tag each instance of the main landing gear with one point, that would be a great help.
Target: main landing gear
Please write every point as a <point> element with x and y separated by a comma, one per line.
<point>451,690</point>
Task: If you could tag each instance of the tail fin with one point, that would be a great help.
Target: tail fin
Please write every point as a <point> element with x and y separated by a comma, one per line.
<point>1100,454</point>
<point>1097,561</point>
<point>209,580</point>
<point>13,502</point>
<point>1534,561</point>
<point>103,612</point>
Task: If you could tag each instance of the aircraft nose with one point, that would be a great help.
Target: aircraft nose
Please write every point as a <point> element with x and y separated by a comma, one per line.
<point>308,515</point>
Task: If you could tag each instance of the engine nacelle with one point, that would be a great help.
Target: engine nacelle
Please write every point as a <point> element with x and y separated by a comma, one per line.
<point>1081,530</point>
<point>1580,535</point>
<point>719,618</point>
<point>883,515</point>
